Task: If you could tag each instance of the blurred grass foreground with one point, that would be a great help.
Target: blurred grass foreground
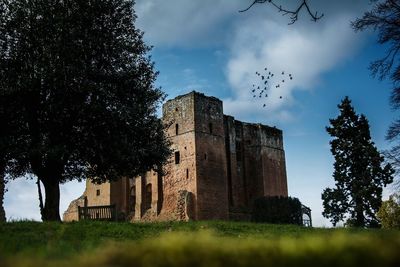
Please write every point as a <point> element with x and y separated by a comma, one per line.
<point>193,244</point>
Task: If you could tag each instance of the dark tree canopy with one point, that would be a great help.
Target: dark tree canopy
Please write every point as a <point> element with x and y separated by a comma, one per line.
<point>292,13</point>
<point>2,189</point>
<point>358,172</point>
<point>384,18</point>
<point>77,95</point>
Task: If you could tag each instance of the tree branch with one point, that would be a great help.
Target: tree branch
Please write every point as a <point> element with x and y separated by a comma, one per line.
<point>292,13</point>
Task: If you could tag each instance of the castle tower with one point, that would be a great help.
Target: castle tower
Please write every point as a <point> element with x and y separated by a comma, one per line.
<point>256,164</point>
<point>198,165</point>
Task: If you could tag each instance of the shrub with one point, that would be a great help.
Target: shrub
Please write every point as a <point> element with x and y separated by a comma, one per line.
<point>278,210</point>
<point>389,212</point>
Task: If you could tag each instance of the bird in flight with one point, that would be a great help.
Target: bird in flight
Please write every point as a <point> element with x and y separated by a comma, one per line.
<point>268,80</point>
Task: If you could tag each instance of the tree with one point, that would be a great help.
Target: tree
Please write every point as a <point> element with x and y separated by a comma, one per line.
<point>2,188</point>
<point>389,213</point>
<point>384,18</point>
<point>293,14</point>
<point>77,88</point>
<point>358,172</point>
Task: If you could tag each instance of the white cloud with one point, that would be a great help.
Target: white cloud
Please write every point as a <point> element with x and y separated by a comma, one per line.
<point>305,51</point>
<point>22,202</point>
<point>183,22</point>
<point>257,38</point>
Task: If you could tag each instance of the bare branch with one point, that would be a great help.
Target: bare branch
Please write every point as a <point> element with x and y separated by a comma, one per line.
<point>294,14</point>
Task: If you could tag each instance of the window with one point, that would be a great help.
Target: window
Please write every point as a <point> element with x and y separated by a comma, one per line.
<point>176,129</point>
<point>148,196</point>
<point>177,157</point>
<point>210,127</point>
<point>187,173</point>
<point>205,155</point>
<point>238,151</point>
<point>98,192</point>
<point>132,199</point>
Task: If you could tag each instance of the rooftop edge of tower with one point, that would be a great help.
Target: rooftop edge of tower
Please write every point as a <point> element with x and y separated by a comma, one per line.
<point>195,94</point>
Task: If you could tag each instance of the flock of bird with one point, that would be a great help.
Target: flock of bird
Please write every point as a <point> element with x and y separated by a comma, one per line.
<point>268,80</point>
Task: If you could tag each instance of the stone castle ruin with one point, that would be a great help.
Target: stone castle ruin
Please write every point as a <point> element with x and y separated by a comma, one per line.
<point>218,167</point>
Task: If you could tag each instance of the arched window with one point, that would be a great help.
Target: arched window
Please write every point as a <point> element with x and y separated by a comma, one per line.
<point>148,196</point>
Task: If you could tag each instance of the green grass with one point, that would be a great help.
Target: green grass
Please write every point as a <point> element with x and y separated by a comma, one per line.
<point>193,244</point>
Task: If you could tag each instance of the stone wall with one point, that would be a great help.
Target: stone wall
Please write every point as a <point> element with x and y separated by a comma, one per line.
<point>265,159</point>
<point>211,163</point>
<point>110,193</point>
<point>71,214</point>
<point>180,171</point>
<point>255,163</point>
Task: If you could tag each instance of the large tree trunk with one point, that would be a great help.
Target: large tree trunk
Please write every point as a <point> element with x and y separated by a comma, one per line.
<point>2,188</point>
<point>51,209</point>
<point>360,218</point>
<point>40,197</point>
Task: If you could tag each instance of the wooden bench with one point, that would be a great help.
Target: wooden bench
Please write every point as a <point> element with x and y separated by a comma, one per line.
<point>98,213</point>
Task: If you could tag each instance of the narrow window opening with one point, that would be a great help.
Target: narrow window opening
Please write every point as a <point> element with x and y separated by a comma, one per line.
<point>177,157</point>
<point>176,129</point>
<point>98,192</point>
<point>132,199</point>
<point>210,127</point>
<point>187,173</point>
<point>205,156</point>
<point>148,196</point>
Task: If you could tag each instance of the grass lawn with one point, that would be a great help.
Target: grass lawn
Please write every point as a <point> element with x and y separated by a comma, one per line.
<point>193,244</point>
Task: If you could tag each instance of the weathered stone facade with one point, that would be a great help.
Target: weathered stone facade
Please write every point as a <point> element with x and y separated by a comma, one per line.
<point>114,193</point>
<point>2,188</point>
<point>218,167</point>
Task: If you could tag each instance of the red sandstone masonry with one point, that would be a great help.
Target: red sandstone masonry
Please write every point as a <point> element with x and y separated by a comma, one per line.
<point>218,167</point>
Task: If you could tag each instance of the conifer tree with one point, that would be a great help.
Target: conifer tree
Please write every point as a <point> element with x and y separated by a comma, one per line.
<point>359,173</point>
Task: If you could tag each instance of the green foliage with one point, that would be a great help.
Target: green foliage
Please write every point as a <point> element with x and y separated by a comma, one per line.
<point>389,213</point>
<point>383,18</point>
<point>358,172</point>
<point>2,191</point>
<point>77,95</point>
<point>277,209</point>
<point>193,244</point>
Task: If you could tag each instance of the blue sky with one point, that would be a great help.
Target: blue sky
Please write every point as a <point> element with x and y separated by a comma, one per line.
<point>208,46</point>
